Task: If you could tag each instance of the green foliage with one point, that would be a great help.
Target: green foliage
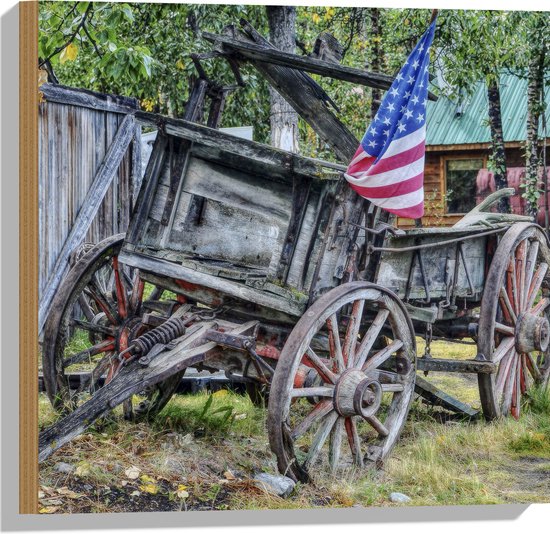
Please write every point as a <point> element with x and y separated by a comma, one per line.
<point>142,50</point>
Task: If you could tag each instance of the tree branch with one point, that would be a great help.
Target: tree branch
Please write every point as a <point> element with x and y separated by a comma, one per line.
<point>71,38</point>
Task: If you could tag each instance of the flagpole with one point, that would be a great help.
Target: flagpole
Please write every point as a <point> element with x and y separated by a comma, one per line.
<point>434,14</point>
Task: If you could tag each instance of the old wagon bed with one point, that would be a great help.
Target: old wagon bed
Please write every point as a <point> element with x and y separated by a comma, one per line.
<point>231,215</point>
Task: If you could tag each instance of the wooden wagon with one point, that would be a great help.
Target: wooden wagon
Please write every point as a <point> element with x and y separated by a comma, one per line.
<point>266,265</point>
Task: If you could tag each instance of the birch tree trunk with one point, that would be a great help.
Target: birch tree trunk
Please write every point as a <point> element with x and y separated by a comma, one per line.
<point>535,107</point>
<point>284,120</point>
<point>376,61</point>
<point>498,155</point>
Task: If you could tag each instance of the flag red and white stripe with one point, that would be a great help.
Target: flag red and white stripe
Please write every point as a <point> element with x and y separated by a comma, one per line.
<point>388,167</point>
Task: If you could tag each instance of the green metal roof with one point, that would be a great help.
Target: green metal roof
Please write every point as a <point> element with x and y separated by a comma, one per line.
<point>446,127</point>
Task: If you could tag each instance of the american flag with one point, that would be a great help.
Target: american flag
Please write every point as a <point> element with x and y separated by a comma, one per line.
<point>388,167</point>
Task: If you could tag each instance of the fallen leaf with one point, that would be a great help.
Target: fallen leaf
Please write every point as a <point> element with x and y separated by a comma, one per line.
<point>229,475</point>
<point>153,489</point>
<point>220,393</point>
<point>69,493</point>
<point>135,493</point>
<point>48,510</point>
<point>41,494</point>
<point>240,416</point>
<point>147,479</point>
<point>132,472</point>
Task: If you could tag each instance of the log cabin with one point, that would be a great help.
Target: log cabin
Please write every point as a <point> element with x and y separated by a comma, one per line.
<point>456,176</point>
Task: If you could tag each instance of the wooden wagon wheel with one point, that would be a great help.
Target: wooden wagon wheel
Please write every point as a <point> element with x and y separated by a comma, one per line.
<point>357,413</point>
<point>514,331</point>
<point>94,316</point>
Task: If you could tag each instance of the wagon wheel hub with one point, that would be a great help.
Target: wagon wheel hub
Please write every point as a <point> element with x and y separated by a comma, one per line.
<point>532,333</point>
<point>357,394</point>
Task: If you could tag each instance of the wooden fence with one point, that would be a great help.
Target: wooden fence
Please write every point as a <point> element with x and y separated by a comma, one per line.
<point>89,175</point>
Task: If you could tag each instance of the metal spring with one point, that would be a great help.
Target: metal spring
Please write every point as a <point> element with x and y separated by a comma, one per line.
<point>166,332</point>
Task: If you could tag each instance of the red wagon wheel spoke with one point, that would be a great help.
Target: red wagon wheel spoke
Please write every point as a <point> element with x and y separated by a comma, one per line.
<point>318,412</point>
<point>381,356</point>
<point>93,291</point>
<point>354,440</point>
<point>86,354</point>
<point>352,332</point>
<point>121,291</point>
<point>320,437</point>
<point>335,344</point>
<point>335,446</point>
<point>325,373</point>
<point>370,337</point>
<point>507,308</point>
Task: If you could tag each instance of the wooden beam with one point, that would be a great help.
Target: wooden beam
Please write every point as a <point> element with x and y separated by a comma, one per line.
<point>274,56</point>
<point>72,96</point>
<point>437,397</point>
<point>100,185</point>
<point>455,366</point>
<point>282,162</point>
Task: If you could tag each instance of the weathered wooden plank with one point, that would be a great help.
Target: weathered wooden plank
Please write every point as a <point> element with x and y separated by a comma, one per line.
<point>248,152</point>
<point>437,397</point>
<point>101,183</point>
<point>293,304</point>
<point>308,64</point>
<point>84,98</point>
<point>455,366</point>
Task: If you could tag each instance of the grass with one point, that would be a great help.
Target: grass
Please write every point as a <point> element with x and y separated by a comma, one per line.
<point>211,445</point>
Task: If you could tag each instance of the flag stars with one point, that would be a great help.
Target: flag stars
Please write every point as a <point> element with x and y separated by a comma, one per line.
<point>416,64</point>
<point>401,127</point>
<point>394,91</point>
<point>408,114</point>
<point>386,121</point>
<point>420,117</point>
<point>373,131</point>
<point>411,79</point>
<point>372,143</point>
<point>391,107</point>
<point>399,77</point>
<point>403,109</point>
<point>386,133</point>
<point>414,99</point>
<point>407,94</point>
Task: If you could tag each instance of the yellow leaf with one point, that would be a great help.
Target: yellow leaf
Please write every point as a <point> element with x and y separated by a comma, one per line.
<point>48,510</point>
<point>179,64</point>
<point>220,393</point>
<point>69,53</point>
<point>147,479</point>
<point>149,488</point>
<point>316,18</point>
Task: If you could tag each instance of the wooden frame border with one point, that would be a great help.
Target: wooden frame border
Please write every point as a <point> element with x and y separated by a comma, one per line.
<point>28,257</point>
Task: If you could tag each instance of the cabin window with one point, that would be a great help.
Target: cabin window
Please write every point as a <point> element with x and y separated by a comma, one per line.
<point>460,177</point>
